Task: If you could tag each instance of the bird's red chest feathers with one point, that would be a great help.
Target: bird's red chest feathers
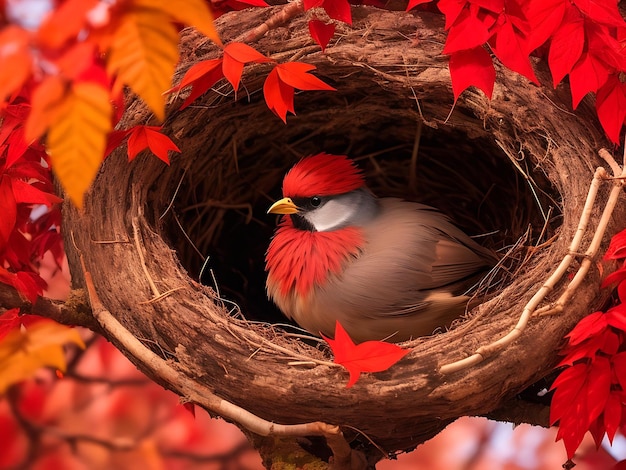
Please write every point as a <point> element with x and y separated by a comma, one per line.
<point>300,259</point>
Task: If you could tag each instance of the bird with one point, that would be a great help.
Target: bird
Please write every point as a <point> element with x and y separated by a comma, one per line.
<point>385,268</point>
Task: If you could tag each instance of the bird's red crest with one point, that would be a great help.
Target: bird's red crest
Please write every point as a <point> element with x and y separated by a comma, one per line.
<point>322,175</point>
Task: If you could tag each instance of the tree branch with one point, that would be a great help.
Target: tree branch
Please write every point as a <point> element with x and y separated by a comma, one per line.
<point>75,311</point>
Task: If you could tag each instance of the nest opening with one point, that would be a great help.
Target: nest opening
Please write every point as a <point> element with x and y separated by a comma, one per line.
<point>221,230</point>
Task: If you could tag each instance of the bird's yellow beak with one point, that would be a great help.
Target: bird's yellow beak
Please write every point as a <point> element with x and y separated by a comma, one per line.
<point>283,206</point>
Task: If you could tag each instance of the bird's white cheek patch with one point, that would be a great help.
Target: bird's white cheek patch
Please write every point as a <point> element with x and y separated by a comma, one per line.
<point>331,216</point>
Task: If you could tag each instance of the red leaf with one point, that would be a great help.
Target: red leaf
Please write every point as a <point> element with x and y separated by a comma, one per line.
<point>26,193</point>
<point>279,85</point>
<point>321,32</point>
<point>191,407</point>
<point>17,146</point>
<point>589,326</point>
<point>611,107</point>
<point>612,415</point>
<point>588,75</point>
<point>606,341</point>
<point>413,3</point>
<point>151,137</point>
<point>598,387</point>
<point>28,284</point>
<point>296,74</point>
<point>9,210</point>
<point>616,317</point>
<point>201,76</point>
<point>472,29</point>
<point>337,9</point>
<point>615,277</point>
<point>601,11</point>
<point>566,46</point>
<point>618,361</point>
<point>451,9</point>
<point>370,356</point>
<point>9,320</point>
<point>115,139</point>
<point>617,247</point>
<point>510,47</point>
<point>237,54</point>
<point>544,16</point>
<point>495,6</point>
<point>472,67</point>
<point>278,95</point>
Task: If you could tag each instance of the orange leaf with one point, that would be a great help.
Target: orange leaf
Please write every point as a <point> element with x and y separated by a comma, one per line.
<point>278,95</point>
<point>143,54</point>
<point>296,75</point>
<point>150,137</point>
<point>15,59</point>
<point>47,106</point>
<point>24,351</point>
<point>370,356</point>
<point>65,22</point>
<point>237,54</point>
<point>194,13</point>
<point>77,140</point>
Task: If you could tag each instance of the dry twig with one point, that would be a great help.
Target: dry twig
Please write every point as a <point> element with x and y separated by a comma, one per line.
<point>531,307</point>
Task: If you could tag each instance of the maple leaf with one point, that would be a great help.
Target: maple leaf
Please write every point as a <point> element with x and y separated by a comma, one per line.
<point>581,393</point>
<point>370,356</point>
<point>611,107</point>
<point>16,59</point>
<point>451,10</point>
<point>511,49</point>
<point>142,137</point>
<point>413,3</point>
<point>471,29</point>
<point>280,83</point>
<point>29,285</point>
<point>9,211</point>
<point>115,139</point>
<point>588,75</point>
<point>588,326</point>
<point>337,9</point>
<point>601,11</point>
<point>23,352</point>
<point>77,140</point>
<point>544,17</point>
<point>143,53</point>
<point>472,67</point>
<point>236,54</point>
<point>617,247</point>
<point>9,321</point>
<point>321,32</point>
<point>201,76</point>
<point>566,46</point>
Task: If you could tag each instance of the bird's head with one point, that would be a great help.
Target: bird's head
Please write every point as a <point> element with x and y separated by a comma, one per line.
<point>324,193</point>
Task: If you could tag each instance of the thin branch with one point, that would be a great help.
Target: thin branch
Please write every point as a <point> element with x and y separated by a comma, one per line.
<point>75,311</point>
<point>205,397</point>
<point>289,12</point>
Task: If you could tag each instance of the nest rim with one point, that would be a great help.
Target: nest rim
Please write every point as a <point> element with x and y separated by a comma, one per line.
<point>416,377</point>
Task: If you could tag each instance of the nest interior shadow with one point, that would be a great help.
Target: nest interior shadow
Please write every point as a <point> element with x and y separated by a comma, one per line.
<point>472,164</point>
<point>217,220</point>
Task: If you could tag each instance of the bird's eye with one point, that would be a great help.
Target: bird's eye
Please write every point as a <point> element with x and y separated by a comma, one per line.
<point>315,201</point>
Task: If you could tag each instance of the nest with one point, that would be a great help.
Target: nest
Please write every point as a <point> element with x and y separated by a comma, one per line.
<point>514,168</point>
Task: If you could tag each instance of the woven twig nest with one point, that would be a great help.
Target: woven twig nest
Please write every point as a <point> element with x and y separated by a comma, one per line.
<point>477,163</point>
